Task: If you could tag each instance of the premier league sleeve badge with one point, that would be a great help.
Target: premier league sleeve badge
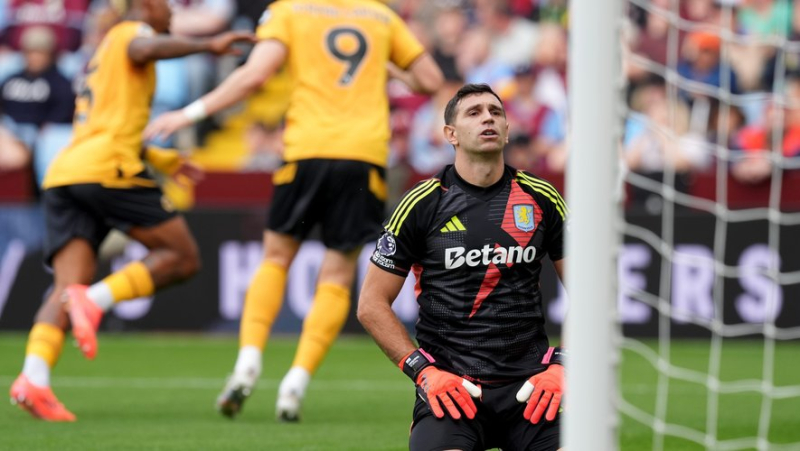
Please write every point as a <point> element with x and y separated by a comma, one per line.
<point>387,245</point>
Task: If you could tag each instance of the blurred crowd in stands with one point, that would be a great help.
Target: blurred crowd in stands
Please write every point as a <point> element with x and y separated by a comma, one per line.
<point>707,81</point>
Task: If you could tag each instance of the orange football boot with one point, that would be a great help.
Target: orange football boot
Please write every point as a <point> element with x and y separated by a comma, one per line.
<point>38,401</point>
<point>85,317</point>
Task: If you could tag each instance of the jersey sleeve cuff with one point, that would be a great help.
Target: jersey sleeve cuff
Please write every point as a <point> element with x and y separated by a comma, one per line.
<point>390,267</point>
<point>407,64</point>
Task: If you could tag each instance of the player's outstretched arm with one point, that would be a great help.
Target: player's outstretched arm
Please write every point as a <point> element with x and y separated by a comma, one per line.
<point>265,59</point>
<point>144,49</point>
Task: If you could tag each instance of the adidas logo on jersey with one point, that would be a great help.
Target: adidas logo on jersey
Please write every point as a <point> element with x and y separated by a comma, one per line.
<point>453,225</point>
<point>456,257</point>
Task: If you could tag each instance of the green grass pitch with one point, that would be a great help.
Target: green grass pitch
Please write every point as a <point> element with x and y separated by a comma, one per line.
<point>157,392</point>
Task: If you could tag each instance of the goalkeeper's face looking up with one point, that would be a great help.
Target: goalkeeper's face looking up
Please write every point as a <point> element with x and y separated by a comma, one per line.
<point>476,121</point>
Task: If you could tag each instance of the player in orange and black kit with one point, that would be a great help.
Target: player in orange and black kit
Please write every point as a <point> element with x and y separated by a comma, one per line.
<point>339,54</point>
<point>99,182</point>
<point>474,236</point>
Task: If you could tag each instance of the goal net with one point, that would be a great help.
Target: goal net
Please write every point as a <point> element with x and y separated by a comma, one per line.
<point>704,345</point>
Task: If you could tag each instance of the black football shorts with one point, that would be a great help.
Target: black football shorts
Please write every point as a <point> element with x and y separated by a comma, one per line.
<point>91,210</point>
<point>345,197</point>
<point>498,424</point>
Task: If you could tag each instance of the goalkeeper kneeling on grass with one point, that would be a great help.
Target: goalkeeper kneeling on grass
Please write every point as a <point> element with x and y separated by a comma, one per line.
<point>475,235</point>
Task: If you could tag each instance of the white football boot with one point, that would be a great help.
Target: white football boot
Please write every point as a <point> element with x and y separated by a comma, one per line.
<point>291,393</point>
<point>241,383</point>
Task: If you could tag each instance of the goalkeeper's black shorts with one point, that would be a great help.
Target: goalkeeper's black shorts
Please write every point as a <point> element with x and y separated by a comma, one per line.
<point>498,424</point>
<point>345,197</point>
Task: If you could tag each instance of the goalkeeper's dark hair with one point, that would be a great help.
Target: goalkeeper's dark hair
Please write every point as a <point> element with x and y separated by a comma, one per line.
<point>465,91</point>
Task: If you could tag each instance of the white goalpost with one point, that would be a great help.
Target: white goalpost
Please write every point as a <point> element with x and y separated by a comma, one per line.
<point>733,280</point>
<point>592,238</point>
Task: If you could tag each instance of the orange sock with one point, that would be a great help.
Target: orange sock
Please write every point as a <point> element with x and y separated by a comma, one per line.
<point>262,304</point>
<point>131,282</point>
<point>322,325</point>
<point>45,341</point>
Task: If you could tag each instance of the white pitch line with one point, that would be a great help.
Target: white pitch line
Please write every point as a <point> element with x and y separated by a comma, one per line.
<point>199,383</point>
<point>353,385</point>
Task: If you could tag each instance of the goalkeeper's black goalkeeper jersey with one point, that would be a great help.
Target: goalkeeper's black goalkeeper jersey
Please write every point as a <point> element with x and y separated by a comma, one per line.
<point>476,253</point>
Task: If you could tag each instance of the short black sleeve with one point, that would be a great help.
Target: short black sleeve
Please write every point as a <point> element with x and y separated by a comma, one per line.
<point>402,242</point>
<point>554,239</point>
<point>555,212</point>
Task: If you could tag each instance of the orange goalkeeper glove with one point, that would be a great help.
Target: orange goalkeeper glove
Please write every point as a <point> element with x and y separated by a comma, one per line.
<point>446,387</point>
<point>440,387</point>
<point>543,391</point>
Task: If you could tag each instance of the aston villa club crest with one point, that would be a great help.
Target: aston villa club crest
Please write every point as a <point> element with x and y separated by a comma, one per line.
<point>523,217</point>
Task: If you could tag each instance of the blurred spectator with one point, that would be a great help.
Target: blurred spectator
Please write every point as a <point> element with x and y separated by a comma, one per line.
<point>724,126</point>
<point>201,17</point>
<point>553,143</point>
<point>765,17</point>
<point>265,147</point>
<point>651,42</point>
<point>512,38</point>
<point>181,80</point>
<point>791,55</point>
<point>758,141</point>
<point>64,17</point>
<point>534,127</point>
<point>39,94</point>
<point>795,33</point>
<point>697,11</point>
<point>400,124</point>
<point>554,11</point>
<point>477,63</point>
<point>525,8</point>
<point>664,141</point>
<point>701,63</point>
<point>518,153</point>
<point>429,150</point>
<point>13,154</point>
<point>448,33</point>
<point>4,19</point>
<point>650,90</point>
<point>251,10</point>
<point>400,177</point>
<point>551,55</point>
<point>102,16</point>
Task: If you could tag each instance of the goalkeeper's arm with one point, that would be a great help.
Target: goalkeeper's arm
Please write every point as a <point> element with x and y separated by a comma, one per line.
<point>375,313</point>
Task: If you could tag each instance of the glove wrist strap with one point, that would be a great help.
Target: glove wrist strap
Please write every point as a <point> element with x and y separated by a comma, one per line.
<point>555,356</point>
<point>415,362</point>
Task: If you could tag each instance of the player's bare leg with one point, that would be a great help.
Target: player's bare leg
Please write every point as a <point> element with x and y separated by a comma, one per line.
<point>262,305</point>
<point>75,263</point>
<point>173,258</point>
<point>320,329</point>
